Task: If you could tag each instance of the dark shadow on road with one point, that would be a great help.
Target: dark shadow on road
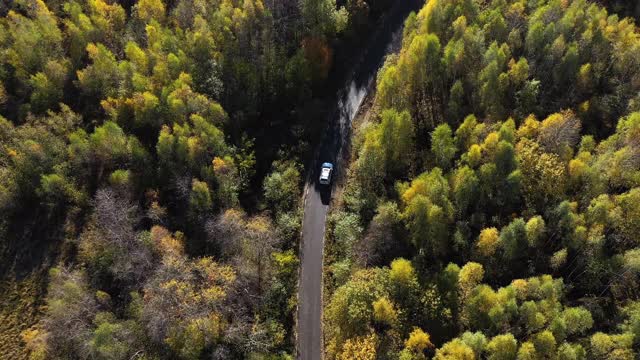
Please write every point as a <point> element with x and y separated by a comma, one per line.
<point>325,193</point>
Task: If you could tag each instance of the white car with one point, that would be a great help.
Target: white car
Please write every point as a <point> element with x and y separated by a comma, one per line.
<point>325,173</point>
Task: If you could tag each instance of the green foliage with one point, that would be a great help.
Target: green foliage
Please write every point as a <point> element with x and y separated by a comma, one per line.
<point>442,146</point>
<point>427,212</point>
<point>396,137</point>
<point>282,187</point>
<point>321,18</point>
<point>200,200</point>
<point>465,187</point>
<point>511,197</point>
<point>113,339</point>
<point>502,347</point>
<point>455,349</point>
<point>513,239</point>
<point>350,310</point>
<point>116,116</point>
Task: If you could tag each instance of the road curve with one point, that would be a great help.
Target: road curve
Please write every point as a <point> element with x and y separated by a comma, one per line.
<point>336,138</point>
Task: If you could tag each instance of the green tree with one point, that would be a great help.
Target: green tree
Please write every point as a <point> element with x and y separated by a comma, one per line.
<point>502,347</point>
<point>101,79</point>
<point>513,239</point>
<point>282,187</point>
<point>442,146</point>
<point>48,86</point>
<point>200,201</point>
<point>455,349</point>
<point>322,17</point>
<point>113,339</point>
<point>396,138</point>
<point>428,211</point>
<point>465,187</point>
<point>350,309</point>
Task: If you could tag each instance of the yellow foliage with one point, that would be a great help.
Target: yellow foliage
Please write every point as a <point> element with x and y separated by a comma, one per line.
<point>166,244</point>
<point>219,165</point>
<point>3,95</point>
<point>520,286</point>
<point>530,128</point>
<point>558,259</point>
<point>233,216</point>
<point>259,225</point>
<point>36,343</point>
<point>418,186</point>
<point>384,311</point>
<point>189,299</point>
<point>402,271</point>
<point>418,341</point>
<point>359,348</point>
<point>470,275</point>
<point>216,273</point>
<point>137,56</point>
<point>577,168</point>
<point>455,350</point>
<point>158,232</point>
<point>518,71</point>
<point>490,143</point>
<point>488,241</point>
<point>114,13</point>
<point>544,174</point>
<point>148,10</point>
<point>474,155</point>
<point>535,228</point>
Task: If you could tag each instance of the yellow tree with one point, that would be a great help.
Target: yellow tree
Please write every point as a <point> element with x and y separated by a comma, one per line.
<point>359,348</point>
<point>488,242</point>
<point>455,349</point>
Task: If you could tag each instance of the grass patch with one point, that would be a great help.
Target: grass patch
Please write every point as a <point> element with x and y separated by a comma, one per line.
<point>21,305</point>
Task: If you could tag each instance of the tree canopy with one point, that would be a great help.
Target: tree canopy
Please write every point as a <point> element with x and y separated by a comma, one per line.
<point>517,191</point>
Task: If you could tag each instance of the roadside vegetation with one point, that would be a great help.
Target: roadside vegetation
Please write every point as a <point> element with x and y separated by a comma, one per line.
<point>492,206</point>
<point>151,169</point>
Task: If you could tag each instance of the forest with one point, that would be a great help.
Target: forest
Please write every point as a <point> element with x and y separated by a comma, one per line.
<point>152,160</point>
<point>153,156</point>
<point>491,209</point>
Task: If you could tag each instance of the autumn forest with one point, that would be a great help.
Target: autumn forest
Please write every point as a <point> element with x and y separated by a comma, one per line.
<point>156,157</point>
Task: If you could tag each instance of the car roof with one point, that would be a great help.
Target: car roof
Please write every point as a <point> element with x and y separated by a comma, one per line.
<point>325,173</point>
<point>327,165</point>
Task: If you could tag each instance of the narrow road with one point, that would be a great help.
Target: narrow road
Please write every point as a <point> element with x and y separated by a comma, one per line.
<point>317,197</point>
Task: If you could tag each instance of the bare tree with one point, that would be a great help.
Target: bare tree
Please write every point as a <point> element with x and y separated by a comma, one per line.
<point>226,231</point>
<point>254,261</point>
<point>70,312</point>
<point>559,131</point>
<point>380,237</point>
<point>184,292</point>
<point>113,231</point>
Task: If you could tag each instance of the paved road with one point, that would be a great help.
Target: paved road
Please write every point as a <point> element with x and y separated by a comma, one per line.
<point>317,197</point>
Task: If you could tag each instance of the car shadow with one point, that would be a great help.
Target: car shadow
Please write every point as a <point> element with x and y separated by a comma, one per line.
<point>323,190</point>
<point>325,193</point>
